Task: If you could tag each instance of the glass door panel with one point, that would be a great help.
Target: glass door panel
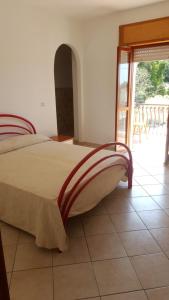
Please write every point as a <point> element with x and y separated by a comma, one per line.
<point>123,94</point>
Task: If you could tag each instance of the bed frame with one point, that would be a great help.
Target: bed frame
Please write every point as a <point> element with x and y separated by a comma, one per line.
<point>67,199</point>
<point>19,130</point>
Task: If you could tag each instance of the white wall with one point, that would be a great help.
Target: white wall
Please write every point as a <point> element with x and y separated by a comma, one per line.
<point>29,38</point>
<point>101,40</point>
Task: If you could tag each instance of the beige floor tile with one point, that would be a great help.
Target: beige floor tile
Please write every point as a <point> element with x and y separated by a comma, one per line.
<point>97,211</point>
<point>167,211</point>
<point>154,218</point>
<point>74,227</point>
<point>150,162</point>
<point>157,189</point>
<point>74,282</point>
<point>139,242</point>
<point>105,246</point>
<point>127,222</point>
<point>158,294</point>
<point>135,183</point>
<point>119,193</point>
<point>162,237</point>
<point>115,276</point>
<point>152,270</point>
<point>162,178</point>
<point>98,225</point>
<point>124,193</point>
<point>29,256</point>
<point>167,253</point>
<point>9,234</point>
<point>9,254</point>
<point>32,285</point>
<point>117,205</point>
<point>146,180</point>
<point>137,191</point>
<point>136,164</point>
<point>76,253</point>
<point>140,172</point>
<point>158,170</point>
<point>139,295</point>
<point>144,203</point>
<point>166,186</point>
<point>162,200</point>
<point>95,298</point>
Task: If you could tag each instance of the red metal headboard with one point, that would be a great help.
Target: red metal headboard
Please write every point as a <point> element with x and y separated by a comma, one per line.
<point>26,128</point>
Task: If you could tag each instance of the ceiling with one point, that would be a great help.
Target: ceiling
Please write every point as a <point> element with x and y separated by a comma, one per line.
<point>89,8</point>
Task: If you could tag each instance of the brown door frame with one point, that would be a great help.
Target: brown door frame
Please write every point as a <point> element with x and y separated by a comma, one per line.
<point>130,82</point>
<point>127,108</point>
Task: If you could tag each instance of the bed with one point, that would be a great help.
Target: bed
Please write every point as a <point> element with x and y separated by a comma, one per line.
<point>44,182</point>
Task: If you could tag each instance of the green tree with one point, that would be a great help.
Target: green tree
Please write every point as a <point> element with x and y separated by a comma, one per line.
<point>157,69</point>
<point>161,90</point>
<point>143,84</point>
<point>166,72</point>
<point>151,78</point>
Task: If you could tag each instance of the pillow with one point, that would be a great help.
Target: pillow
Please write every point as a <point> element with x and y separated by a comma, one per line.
<point>21,141</point>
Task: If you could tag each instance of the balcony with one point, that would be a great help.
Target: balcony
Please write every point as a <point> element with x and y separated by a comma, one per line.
<point>150,128</point>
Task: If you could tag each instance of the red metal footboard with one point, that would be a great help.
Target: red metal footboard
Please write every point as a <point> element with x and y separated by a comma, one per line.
<point>18,129</point>
<point>66,200</point>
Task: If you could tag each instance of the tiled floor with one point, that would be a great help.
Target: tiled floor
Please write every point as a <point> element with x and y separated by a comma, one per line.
<point>118,251</point>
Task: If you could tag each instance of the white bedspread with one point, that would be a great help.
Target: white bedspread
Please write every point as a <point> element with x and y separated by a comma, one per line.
<point>30,181</point>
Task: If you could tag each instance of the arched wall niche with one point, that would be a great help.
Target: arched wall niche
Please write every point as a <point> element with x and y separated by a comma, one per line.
<point>67,90</point>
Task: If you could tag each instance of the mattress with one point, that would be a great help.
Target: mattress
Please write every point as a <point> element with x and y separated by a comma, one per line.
<point>31,176</point>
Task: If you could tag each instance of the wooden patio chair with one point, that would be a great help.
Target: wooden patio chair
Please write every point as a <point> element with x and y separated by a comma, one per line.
<point>140,122</point>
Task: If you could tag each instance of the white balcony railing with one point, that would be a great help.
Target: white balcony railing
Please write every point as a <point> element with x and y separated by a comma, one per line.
<point>150,119</point>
